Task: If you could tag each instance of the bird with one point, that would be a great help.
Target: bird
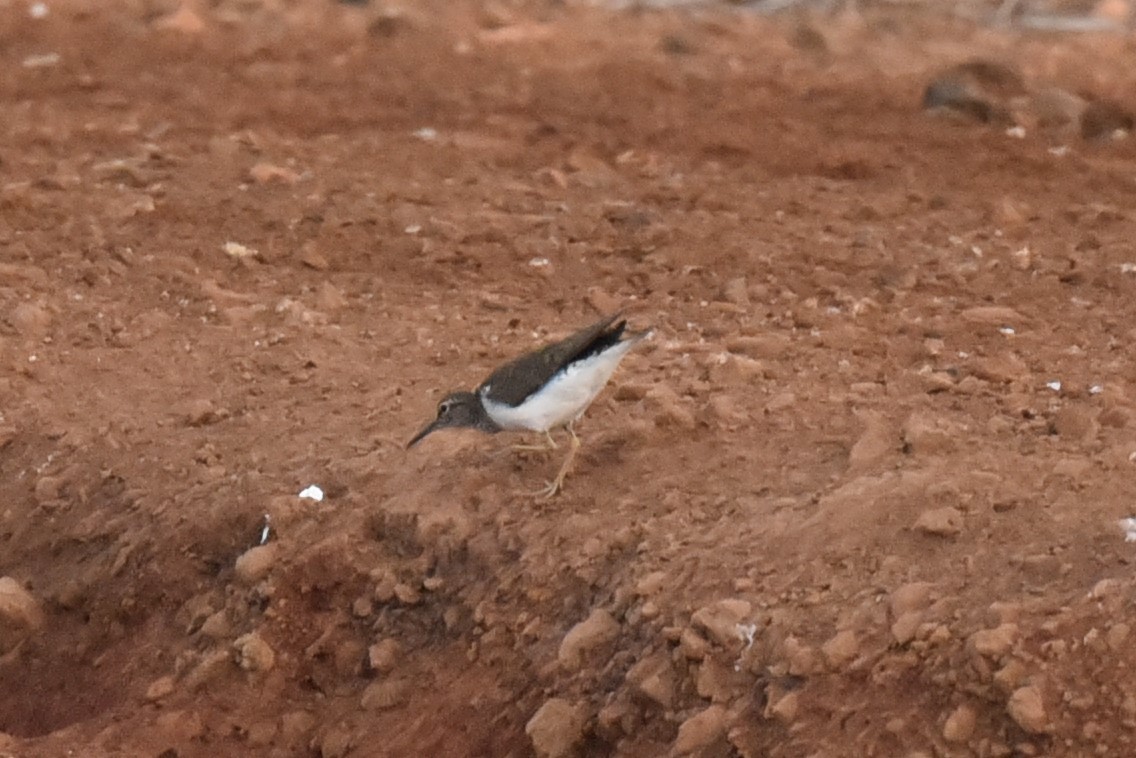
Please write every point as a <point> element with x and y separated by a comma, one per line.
<point>543,390</point>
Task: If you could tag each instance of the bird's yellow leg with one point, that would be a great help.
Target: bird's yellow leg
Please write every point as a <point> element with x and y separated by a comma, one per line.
<point>557,484</point>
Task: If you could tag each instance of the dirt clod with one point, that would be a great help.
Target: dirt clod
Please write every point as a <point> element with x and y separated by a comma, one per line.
<point>594,632</point>
<point>701,730</point>
<point>556,728</point>
<point>722,621</point>
<point>960,724</point>
<point>1027,707</point>
<point>18,607</point>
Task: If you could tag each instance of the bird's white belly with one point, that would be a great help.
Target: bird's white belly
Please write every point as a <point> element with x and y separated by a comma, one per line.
<point>564,398</point>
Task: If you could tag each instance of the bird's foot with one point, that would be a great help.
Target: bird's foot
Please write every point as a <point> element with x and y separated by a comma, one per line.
<point>549,491</point>
<point>557,485</point>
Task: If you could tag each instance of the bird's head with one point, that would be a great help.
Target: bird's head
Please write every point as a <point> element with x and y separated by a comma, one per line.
<point>457,409</point>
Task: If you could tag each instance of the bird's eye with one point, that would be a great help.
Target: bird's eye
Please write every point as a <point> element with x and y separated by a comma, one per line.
<point>443,407</point>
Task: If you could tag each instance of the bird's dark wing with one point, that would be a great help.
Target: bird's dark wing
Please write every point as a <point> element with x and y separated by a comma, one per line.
<point>519,378</point>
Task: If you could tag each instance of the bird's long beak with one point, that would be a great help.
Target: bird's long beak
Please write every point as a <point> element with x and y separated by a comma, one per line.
<point>433,426</point>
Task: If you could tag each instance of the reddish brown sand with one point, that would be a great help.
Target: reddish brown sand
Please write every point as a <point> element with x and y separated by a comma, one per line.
<point>833,508</point>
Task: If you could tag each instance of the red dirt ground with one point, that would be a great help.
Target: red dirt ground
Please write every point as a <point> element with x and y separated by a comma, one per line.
<point>836,507</point>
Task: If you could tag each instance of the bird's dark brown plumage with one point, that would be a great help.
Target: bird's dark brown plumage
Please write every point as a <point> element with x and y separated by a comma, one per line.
<point>512,383</point>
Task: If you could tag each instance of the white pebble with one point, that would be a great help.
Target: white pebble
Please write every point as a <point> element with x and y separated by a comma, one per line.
<point>1129,527</point>
<point>312,492</point>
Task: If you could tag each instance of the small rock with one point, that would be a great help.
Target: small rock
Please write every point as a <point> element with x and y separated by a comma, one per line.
<point>211,666</point>
<point>693,645</point>
<point>329,298</point>
<point>362,607</point>
<point>995,643</point>
<point>631,392</point>
<point>701,730</point>
<point>267,173</point>
<point>654,678</point>
<point>48,489</point>
<point>779,402</point>
<point>597,630</point>
<point>160,688</point>
<point>906,626</point>
<point>650,584</point>
<point>1001,369</point>
<point>721,620</point>
<point>716,682</point>
<point>556,728</point>
<point>729,370</point>
<point>384,695</point>
<point>18,607</point>
<point>913,596</point>
<point>767,346</point>
<point>383,655</point>
<point>876,443</point>
<point>1027,708</point>
<point>1010,213</point>
<point>216,626</point>
<point>785,708</point>
<point>924,435</point>
<point>960,724</point>
<point>802,658</point>
<point>253,653</point>
<point>349,657</point>
<point>184,20</point>
<point>311,257</point>
<point>238,251</point>
<point>841,649</point>
<point>384,587</point>
<point>201,412</point>
<point>406,594</point>
<point>940,522</point>
<point>336,742</point>
<point>615,720</point>
<point>736,291</point>
<point>1010,676</point>
<point>255,563</point>
<point>993,315</point>
<point>30,319</point>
